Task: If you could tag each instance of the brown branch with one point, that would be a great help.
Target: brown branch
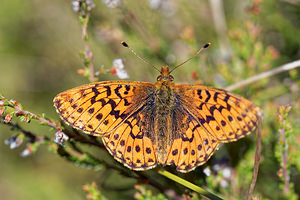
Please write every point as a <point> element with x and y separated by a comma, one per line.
<point>83,139</point>
<point>282,68</point>
<point>257,159</point>
<point>32,137</point>
<point>20,111</point>
<point>28,134</point>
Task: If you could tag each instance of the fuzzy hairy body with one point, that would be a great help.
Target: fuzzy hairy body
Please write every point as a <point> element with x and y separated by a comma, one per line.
<point>164,104</point>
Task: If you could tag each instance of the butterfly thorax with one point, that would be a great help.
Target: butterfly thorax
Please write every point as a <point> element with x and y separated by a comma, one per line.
<point>164,104</point>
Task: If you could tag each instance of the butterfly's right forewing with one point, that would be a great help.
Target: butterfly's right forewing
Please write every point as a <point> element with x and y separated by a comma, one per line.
<point>224,115</point>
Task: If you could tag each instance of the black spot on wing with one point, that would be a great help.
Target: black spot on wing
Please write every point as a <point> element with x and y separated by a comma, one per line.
<point>108,91</point>
<point>117,91</point>
<point>208,96</point>
<point>216,96</point>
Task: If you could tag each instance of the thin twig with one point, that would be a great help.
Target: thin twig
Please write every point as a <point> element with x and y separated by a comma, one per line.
<point>257,159</point>
<point>37,117</point>
<point>20,111</point>
<point>82,139</point>
<point>284,161</point>
<point>282,68</point>
<point>28,134</point>
<point>87,52</point>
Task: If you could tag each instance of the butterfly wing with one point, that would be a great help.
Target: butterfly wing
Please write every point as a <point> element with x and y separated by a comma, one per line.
<point>203,117</point>
<point>224,115</point>
<point>132,143</point>
<point>118,111</point>
<point>192,145</point>
<point>99,108</point>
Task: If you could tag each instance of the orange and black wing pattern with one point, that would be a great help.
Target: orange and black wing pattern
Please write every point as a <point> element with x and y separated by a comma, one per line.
<point>98,108</point>
<point>132,142</point>
<point>191,145</point>
<point>117,111</point>
<point>203,118</point>
<point>225,116</point>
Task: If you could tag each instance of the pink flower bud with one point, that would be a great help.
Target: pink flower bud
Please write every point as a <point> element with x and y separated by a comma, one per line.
<point>7,118</point>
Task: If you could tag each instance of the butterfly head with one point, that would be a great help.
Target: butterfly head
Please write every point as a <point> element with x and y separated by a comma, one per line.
<point>165,74</point>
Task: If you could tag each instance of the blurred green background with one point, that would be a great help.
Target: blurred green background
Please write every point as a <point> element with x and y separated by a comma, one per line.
<point>40,43</point>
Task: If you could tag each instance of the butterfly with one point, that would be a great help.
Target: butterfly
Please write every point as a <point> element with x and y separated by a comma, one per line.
<point>144,124</point>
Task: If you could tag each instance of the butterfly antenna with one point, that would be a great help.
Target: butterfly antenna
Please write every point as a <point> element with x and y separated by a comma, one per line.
<point>196,54</point>
<point>145,61</point>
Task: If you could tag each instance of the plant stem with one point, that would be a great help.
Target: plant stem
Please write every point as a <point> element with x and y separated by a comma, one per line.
<point>284,162</point>
<point>88,54</point>
<point>282,68</point>
<point>257,160</point>
<point>188,184</point>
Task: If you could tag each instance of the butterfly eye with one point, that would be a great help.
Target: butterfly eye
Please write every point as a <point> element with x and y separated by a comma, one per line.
<point>159,78</point>
<point>171,78</point>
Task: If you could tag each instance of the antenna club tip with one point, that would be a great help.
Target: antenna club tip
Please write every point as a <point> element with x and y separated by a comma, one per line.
<point>124,44</point>
<point>206,45</point>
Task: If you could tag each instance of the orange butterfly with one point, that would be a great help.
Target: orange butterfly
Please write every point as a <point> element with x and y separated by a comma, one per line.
<point>144,124</point>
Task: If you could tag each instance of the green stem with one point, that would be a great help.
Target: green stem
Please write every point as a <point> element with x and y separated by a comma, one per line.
<point>188,184</point>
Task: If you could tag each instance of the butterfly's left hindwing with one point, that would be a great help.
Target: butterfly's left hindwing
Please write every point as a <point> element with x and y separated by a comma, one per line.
<point>132,143</point>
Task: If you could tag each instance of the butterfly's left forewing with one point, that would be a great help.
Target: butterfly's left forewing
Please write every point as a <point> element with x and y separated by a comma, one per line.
<point>98,108</point>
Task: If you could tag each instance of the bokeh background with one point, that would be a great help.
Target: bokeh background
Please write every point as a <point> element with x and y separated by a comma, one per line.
<point>40,43</point>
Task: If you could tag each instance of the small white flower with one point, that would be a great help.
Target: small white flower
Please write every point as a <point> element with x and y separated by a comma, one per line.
<point>167,7</point>
<point>60,138</point>
<point>224,183</point>
<point>25,153</point>
<point>226,172</point>
<point>118,64</point>
<point>14,142</point>
<point>216,167</point>
<point>75,3</point>
<point>76,6</point>
<point>112,3</point>
<point>207,171</point>
<point>155,4</point>
<point>90,4</point>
